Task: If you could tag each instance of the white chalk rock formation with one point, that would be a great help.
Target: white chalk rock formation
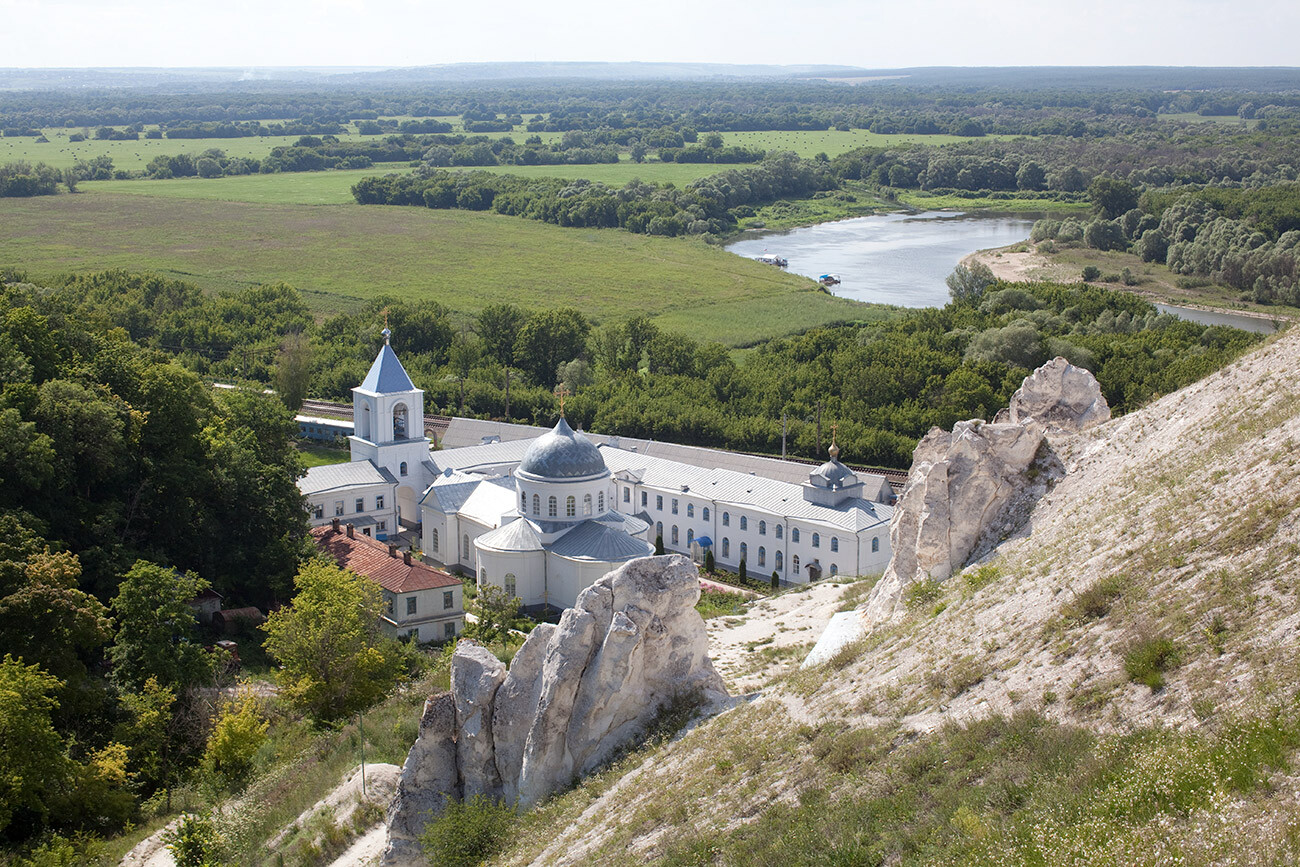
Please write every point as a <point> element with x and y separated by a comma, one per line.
<point>1060,396</point>
<point>429,778</point>
<point>961,483</point>
<point>574,695</point>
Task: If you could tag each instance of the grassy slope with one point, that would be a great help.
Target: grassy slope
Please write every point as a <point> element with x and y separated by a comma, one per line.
<point>339,254</point>
<point>286,188</point>
<point>888,752</point>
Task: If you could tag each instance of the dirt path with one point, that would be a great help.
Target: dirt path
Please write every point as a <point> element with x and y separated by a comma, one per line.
<point>773,636</point>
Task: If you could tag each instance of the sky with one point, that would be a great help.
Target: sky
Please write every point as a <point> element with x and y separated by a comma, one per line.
<point>866,33</point>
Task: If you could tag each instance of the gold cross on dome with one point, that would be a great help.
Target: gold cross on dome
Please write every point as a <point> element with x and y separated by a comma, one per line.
<point>833,427</point>
<point>562,391</point>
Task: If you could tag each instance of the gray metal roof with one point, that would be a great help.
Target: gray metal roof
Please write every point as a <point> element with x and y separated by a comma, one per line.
<point>592,540</point>
<point>467,432</point>
<point>562,453</point>
<point>335,477</point>
<point>387,374</point>
<point>449,492</point>
<point>780,499</point>
<point>627,523</point>
<point>516,536</point>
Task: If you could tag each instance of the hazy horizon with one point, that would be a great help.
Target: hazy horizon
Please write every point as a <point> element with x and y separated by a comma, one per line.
<point>873,35</point>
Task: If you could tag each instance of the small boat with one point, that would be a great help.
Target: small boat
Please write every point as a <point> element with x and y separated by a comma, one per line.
<point>772,259</point>
<point>829,279</point>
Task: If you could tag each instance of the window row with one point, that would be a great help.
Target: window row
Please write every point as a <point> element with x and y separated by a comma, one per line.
<point>553,505</point>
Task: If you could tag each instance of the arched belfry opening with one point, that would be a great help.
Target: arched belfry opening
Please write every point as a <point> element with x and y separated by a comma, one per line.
<point>400,427</point>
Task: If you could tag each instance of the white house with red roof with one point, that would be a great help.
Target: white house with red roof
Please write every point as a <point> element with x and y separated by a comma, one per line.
<point>420,601</point>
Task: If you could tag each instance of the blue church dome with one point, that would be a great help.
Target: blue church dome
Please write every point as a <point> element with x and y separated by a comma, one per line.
<point>562,453</point>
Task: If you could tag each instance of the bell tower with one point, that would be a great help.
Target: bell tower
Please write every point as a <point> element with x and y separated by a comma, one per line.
<point>388,419</point>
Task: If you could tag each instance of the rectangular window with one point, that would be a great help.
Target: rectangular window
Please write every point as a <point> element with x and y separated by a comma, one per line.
<point>659,503</point>
<point>449,630</point>
<point>361,504</point>
<point>447,599</point>
<point>644,498</point>
<point>410,605</point>
<point>379,501</point>
<point>383,526</point>
<point>690,510</point>
<point>319,511</point>
<point>338,507</point>
<point>674,505</point>
<point>365,531</point>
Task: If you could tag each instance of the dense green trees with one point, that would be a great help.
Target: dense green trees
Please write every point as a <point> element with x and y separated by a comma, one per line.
<point>334,660</point>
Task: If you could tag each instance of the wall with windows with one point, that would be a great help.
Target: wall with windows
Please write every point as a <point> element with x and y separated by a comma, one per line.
<point>436,614</point>
<point>372,508</point>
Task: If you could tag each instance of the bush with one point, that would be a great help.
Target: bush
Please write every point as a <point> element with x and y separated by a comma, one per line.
<point>1094,602</point>
<point>468,833</point>
<point>194,842</point>
<point>1090,273</point>
<point>923,593</point>
<point>708,560</point>
<point>1147,661</point>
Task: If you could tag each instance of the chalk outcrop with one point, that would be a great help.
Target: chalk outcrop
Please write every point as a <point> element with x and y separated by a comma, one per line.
<point>575,694</point>
<point>962,482</point>
<point>1059,396</point>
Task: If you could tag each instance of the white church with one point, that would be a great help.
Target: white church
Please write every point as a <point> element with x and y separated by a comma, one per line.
<point>545,515</point>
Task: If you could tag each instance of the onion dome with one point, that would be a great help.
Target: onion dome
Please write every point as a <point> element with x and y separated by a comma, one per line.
<point>562,453</point>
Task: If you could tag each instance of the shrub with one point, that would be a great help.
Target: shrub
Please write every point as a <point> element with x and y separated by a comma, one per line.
<point>1147,661</point>
<point>708,560</point>
<point>1094,602</point>
<point>982,577</point>
<point>1090,273</point>
<point>468,833</point>
<point>237,736</point>
<point>194,842</point>
<point>922,593</point>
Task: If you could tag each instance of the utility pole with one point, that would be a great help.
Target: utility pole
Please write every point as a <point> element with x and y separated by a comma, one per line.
<point>819,427</point>
<point>783,436</point>
<point>507,395</point>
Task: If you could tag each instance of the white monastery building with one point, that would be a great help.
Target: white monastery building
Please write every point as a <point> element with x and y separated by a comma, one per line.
<point>544,516</point>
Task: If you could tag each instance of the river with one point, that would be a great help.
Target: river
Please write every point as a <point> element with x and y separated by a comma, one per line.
<point>897,259</point>
<point>902,259</point>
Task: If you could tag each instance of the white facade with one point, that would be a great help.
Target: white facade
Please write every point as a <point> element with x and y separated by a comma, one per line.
<point>542,534</point>
<point>436,614</point>
<point>825,523</point>
<point>357,494</point>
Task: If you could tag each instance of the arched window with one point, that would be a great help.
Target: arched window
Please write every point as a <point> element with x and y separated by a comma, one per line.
<point>744,552</point>
<point>537,505</point>
<point>835,570</point>
<point>586,504</point>
<point>835,543</point>
<point>744,522</point>
<point>464,547</point>
<point>434,539</point>
<point>875,544</point>
<point>817,540</point>
<point>706,513</point>
<point>794,535</point>
<point>780,531</point>
<point>726,547</point>
<point>511,587</point>
<point>364,433</point>
<point>690,510</point>
<point>570,507</point>
<point>762,528</point>
<point>674,534</point>
<point>794,564</point>
<point>690,538</point>
<point>401,469</point>
<point>780,560</point>
<point>550,507</point>
<point>762,556</point>
<point>726,519</point>
<point>600,502</point>
<point>399,422</point>
<point>627,495</point>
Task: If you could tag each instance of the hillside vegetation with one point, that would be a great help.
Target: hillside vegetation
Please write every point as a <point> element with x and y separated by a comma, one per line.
<point>1113,686</point>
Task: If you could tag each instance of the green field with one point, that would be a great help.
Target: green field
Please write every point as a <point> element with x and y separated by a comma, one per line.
<point>809,143</point>
<point>134,155</point>
<point>338,255</point>
<point>288,188</point>
<point>927,202</point>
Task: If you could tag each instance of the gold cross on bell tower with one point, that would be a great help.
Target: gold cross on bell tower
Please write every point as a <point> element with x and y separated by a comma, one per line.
<point>562,391</point>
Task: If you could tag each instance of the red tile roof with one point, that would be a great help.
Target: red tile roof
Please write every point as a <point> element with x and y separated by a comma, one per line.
<point>368,557</point>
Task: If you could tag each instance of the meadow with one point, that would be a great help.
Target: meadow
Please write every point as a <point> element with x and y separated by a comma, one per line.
<point>339,255</point>
<point>286,188</point>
